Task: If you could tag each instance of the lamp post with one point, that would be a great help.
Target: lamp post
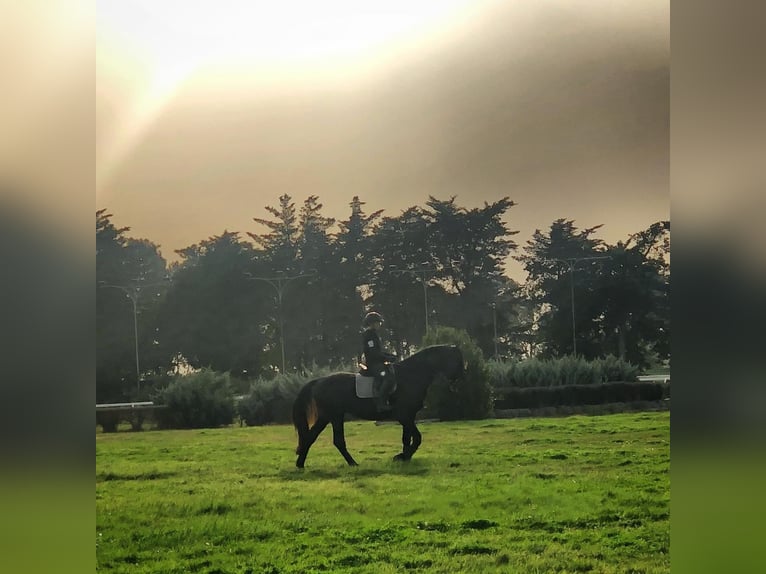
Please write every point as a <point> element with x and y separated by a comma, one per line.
<point>571,262</point>
<point>279,283</point>
<point>133,293</point>
<point>494,326</point>
<point>421,274</point>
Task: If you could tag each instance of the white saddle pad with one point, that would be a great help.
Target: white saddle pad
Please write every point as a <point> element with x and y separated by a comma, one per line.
<point>364,389</point>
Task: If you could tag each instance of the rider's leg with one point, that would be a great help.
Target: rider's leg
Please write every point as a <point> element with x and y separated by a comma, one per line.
<point>386,386</point>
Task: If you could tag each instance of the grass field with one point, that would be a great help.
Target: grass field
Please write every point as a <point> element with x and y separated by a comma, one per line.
<point>577,494</point>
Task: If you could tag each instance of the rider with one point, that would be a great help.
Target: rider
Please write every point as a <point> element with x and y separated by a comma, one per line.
<point>375,358</point>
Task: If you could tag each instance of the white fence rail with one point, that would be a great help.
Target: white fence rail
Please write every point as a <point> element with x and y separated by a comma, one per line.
<point>124,406</point>
<point>654,378</point>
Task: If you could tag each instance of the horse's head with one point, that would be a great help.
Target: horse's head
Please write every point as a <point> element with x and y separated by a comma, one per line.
<point>453,364</point>
<point>444,360</point>
<point>436,361</point>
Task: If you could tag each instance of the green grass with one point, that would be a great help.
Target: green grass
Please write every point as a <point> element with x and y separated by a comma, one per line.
<point>578,494</point>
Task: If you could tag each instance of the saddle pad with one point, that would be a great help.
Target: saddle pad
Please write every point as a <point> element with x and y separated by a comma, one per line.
<point>364,388</point>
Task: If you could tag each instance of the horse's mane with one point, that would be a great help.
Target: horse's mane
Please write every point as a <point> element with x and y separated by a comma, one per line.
<point>432,349</point>
<point>427,353</point>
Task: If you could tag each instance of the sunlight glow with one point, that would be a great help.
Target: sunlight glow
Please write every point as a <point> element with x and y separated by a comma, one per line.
<point>169,40</point>
<point>181,34</point>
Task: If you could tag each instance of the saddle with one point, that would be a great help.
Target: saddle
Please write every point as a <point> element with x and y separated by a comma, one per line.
<point>365,383</point>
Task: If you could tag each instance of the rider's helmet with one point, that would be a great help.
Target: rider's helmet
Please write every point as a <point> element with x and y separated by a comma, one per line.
<point>371,318</point>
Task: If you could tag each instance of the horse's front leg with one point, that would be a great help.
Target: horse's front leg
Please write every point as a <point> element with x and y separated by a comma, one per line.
<point>406,440</point>
<point>339,440</point>
<point>411,439</point>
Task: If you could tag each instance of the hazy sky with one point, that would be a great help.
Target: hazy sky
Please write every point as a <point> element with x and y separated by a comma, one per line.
<point>204,119</point>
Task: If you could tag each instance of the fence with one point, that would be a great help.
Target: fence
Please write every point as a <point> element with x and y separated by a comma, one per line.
<point>109,415</point>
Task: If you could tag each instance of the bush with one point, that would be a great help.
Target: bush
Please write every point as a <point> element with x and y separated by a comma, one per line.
<point>575,371</point>
<point>270,401</point>
<point>613,369</point>
<point>201,400</point>
<point>470,398</point>
<point>108,420</point>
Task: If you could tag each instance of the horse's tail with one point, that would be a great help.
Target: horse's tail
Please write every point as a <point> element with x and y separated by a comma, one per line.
<point>304,412</point>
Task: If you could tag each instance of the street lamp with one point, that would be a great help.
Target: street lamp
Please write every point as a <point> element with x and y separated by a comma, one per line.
<point>133,293</point>
<point>421,274</point>
<point>494,326</point>
<point>279,284</point>
<point>572,262</point>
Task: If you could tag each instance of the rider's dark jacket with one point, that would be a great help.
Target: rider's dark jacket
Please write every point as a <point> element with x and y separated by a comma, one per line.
<point>374,357</point>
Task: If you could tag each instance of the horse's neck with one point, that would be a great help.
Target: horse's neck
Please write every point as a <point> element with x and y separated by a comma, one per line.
<point>416,374</point>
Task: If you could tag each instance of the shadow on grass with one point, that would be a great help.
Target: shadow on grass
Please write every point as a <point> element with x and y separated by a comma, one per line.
<point>347,472</point>
<point>151,475</point>
<point>622,519</point>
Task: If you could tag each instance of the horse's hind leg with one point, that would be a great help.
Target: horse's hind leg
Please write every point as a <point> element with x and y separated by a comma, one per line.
<point>339,440</point>
<point>306,441</point>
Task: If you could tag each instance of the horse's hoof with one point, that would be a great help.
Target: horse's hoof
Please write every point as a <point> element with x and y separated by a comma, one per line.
<point>399,456</point>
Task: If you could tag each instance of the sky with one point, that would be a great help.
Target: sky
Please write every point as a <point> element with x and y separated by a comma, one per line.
<point>206,115</point>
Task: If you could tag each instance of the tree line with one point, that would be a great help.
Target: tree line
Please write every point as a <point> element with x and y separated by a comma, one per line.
<point>293,295</point>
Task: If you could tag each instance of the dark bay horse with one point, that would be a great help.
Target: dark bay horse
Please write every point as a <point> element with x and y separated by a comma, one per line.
<point>326,401</point>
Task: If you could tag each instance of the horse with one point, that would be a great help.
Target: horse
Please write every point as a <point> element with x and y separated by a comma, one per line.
<point>327,400</point>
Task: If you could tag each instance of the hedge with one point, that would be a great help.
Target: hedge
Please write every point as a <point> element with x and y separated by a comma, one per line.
<point>591,394</point>
<point>567,370</point>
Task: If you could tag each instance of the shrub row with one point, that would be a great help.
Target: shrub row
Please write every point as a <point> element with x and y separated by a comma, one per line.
<point>592,394</point>
<point>561,371</point>
<point>206,398</point>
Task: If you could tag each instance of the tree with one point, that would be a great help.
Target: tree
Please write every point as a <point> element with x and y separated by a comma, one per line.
<point>312,325</point>
<point>445,260</point>
<point>470,247</point>
<point>280,244</point>
<point>279,264</point>
<point>213,315</point>
<point>349,278</point>
<point>622,298</point>
<point>634,289</point>
<point>301,263</point>
<point>401,243</point>
<point>550,285</point>
<point>129,276</point>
